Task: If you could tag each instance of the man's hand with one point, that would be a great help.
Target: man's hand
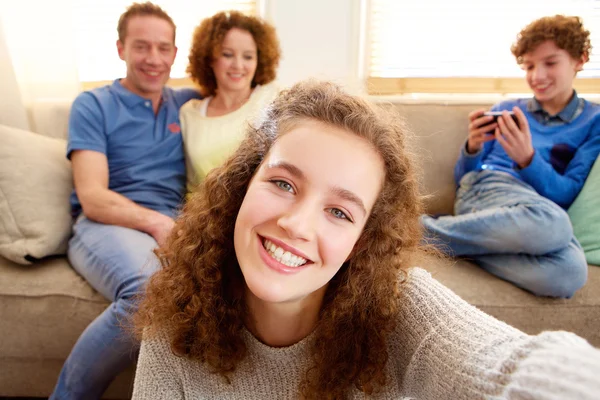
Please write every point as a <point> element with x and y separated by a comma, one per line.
<point>161,228</point>
<point>515,140</point>
<point>479,130</point>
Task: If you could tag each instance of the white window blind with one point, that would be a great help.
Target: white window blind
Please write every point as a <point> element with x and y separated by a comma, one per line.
<point>95,27</point>
<point>462,38</point>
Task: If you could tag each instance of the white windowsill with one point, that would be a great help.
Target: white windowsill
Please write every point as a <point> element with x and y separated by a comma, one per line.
<point>458,99</point>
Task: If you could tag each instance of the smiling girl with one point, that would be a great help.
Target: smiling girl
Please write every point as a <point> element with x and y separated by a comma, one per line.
<point>289,277</point>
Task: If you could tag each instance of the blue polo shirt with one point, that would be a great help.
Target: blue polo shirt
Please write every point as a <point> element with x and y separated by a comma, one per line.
<point>144,151</point>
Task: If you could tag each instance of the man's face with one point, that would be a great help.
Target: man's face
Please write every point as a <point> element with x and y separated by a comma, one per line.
<point>149,52</point>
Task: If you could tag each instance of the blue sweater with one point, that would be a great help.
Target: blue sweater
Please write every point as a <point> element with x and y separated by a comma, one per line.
<point>564,155</point>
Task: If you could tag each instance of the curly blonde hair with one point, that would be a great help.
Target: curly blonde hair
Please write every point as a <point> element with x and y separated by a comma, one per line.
<point>198,295</point>
<point>208,37</point>
<point>566,32</point>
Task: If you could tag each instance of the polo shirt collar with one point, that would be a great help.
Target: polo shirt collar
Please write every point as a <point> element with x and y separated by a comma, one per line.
<point>566,114</point>
<point>131,99</point>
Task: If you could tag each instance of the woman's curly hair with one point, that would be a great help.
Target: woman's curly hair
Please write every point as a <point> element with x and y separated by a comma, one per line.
<point>566,32</point>
<point>208,37</point>
<point>198,295</point>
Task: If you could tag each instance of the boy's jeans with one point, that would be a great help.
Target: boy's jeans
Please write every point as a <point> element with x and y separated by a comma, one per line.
<point>511,231</point>
<point>117,262</point>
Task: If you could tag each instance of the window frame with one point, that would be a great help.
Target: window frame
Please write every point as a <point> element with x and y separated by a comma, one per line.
<point>386,86</point>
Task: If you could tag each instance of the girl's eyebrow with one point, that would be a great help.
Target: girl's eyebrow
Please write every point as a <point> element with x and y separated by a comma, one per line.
<point>292,169</point>
<point>338,191</point>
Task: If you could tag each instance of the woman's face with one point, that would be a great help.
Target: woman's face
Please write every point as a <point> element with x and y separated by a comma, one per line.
<point>304,210</point>
<point>235,64</point>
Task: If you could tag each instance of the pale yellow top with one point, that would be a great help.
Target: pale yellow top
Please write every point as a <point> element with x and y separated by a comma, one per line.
<point>209,141</point>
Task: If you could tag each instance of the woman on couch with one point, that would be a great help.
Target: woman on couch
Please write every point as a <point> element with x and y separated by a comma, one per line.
<point>289,276</point>
<point>234,59</point>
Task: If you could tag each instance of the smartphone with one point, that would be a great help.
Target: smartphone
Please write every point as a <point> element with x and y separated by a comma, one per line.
<point>496,114</point>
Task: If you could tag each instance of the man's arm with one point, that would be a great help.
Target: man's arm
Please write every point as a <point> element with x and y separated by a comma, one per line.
<point>99,203</point>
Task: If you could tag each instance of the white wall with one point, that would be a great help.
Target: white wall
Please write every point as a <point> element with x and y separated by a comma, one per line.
<point>319,39</point>
<point>12,112</point>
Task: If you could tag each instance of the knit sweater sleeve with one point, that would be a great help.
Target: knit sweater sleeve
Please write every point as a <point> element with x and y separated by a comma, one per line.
<point>449,349</point>
<point>158,373</point>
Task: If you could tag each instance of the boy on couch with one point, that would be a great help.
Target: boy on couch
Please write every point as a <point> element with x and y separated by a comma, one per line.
<point>517,177</point>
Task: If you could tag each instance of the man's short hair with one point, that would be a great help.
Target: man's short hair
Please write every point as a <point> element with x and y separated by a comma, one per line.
<point>566,32</point>
<point>142,10</point>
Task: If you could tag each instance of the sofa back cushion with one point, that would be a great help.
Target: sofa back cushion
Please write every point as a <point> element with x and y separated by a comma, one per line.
<point>35,185</point>
<point>439,130</point>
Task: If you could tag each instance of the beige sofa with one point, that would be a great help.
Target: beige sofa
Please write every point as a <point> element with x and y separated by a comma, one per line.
<point>44,307</point>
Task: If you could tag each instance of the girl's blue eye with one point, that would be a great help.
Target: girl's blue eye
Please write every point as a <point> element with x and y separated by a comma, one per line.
<point>337,213</point>
<point>283,185</point>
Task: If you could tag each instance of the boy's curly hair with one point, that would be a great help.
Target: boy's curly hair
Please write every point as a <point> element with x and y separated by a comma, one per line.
<point>566,32</point>
<point>197,297</point>
<point>208,37</point>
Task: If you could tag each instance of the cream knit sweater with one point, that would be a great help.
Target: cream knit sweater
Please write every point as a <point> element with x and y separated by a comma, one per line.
<point>443,348</point>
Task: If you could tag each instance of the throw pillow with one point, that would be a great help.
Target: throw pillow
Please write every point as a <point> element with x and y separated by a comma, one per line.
<point>585,216</point>
<point>35,185</point>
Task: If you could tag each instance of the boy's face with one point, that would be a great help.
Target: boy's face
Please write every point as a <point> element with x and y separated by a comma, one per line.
<point>550,73</point>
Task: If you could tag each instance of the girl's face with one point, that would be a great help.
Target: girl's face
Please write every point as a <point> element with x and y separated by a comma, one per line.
<point>235,64</point>
<point>304,210</point>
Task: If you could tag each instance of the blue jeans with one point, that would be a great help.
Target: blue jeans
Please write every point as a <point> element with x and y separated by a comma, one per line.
<point>117,262</point>
<point>507,228</point>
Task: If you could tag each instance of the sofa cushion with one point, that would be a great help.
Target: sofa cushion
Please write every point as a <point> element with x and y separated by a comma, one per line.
<point>585,216</point>
<point>43,309</point>
<point>439,132</point>
<point>35,185</point>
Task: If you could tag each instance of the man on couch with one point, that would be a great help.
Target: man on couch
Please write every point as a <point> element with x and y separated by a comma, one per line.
<point>517,177</point>
<point>129,174</point>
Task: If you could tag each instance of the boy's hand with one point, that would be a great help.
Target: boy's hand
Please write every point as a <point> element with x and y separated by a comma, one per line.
<point>515,140</point>
<point>479,130</point>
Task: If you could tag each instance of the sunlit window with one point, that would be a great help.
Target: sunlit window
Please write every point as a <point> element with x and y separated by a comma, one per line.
<point>95,27</point>
<point>462,38</point>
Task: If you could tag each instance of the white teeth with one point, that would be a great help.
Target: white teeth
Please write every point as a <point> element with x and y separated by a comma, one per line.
<point>151,73</point>
<point>284,257</point>
<point>278,252</point>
